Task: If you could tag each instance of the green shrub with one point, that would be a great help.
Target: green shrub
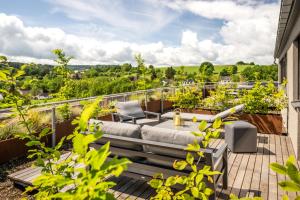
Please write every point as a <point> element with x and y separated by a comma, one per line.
<point>10,129</point>
<point>221,98</point>
<point>291,171</point>
<point>263,98</point>
<point>64,112</point>
<point>187,97</point>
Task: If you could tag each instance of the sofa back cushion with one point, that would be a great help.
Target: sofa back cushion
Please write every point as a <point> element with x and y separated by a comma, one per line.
<point>228,112</point>
<point>130,108</point>
<point>122,129</point>
<point>167,136</point>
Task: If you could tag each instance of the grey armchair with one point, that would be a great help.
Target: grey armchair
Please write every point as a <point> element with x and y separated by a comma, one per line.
<point>132,112</point>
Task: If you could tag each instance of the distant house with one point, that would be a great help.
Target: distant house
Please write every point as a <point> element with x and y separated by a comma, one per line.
<point>24,92</point>
<point>43,96</point>
<point>287,52</point>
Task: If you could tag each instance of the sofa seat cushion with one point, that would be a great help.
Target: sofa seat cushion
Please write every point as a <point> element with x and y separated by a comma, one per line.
<point>122,129</point>
<point>189,116</point>
<point>130,108</point>
<point>170,136</point>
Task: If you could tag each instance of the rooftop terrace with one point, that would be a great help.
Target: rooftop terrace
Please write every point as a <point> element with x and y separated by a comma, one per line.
<point>249,173</point>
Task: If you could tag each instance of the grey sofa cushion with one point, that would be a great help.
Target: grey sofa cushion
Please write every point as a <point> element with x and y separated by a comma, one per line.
<point>189,116</point>
<point>170,136</point>
<point>130,108</point>
<point>122,129</point>
<point>228,112</point>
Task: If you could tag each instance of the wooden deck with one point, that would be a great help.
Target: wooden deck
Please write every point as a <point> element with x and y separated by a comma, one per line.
<point>249,173</point>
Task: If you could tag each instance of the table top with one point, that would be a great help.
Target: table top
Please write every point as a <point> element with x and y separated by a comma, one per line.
<point>188,125</point>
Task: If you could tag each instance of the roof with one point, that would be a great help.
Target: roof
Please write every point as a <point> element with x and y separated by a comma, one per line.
<point>284,24</point>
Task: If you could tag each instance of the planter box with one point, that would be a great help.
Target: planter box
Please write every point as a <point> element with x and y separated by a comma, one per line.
<point>12,148</point>
<point>15,148</point>
<point>105,117</point>
<point>266,123</point>
<point>64,128</point>
<point>152,106</point>
<point>269,123</point>
<point>168,105</point>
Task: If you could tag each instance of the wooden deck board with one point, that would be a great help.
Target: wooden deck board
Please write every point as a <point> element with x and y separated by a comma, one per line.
<point>249,173</point>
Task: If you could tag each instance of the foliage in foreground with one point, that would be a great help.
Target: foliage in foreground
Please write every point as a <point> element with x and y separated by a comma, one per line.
<point>195,184</point>
<point>80,175</point>
<point>291,171</point>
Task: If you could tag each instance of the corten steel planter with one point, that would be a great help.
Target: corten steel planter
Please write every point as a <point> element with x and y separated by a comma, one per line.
<point>153,106</point>
<point>12,148</point>
<point>105,117</point>
<point>15,148</point>
<point>268,123</point>
<point>168,105</point>
<point>64,128</point>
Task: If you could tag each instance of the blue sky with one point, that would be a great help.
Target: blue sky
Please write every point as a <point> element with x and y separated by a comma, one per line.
<point>169,32</point>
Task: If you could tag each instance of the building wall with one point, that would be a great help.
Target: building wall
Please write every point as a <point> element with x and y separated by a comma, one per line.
<point>292,93</point>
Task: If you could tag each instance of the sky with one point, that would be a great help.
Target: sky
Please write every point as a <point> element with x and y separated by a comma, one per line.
<point>164,32</point>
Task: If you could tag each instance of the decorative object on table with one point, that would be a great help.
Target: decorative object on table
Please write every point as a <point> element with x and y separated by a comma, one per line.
<point>241,137</point>
<point>178,121</point>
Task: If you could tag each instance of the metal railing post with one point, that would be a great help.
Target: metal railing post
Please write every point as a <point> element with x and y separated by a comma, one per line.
<point>146,100</point>
<point>53,127</point>
<point>162,100</point>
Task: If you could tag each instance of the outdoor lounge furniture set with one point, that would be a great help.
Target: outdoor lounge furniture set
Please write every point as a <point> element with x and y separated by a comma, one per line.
<point>153,144</point>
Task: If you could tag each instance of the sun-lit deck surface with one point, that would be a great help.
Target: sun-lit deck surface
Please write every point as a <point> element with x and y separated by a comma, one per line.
<point>249,173</point>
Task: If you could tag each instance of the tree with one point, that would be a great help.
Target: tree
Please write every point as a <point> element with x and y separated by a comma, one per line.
<point>224,72</point>
<point>232,69</point>
<point>126,67</point>
<point>206,69</point>
<point>153,74</point>
<point>62,61</point>
<point>170,73</point>
<point>240,63</point>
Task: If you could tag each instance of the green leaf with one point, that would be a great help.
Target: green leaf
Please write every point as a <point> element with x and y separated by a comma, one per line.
<point>199,178</point>
<point>33,143</point>
<point>289,186</point>
<point>202,126</point>
<point>195,192</point>
<point>171,181</point>
<point>217,123</point>
<point>87,113</point>
<point>155,183</point>
<point>180,165</point>
<point>280,169</point>
<point>190,158</point>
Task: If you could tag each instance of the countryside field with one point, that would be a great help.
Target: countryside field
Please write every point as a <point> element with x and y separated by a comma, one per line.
<point>218,68</point>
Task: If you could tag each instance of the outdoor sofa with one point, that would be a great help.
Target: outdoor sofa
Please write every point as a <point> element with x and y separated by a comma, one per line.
<point>153,150</point>
<point>205,117</point>
<point>132,112</point>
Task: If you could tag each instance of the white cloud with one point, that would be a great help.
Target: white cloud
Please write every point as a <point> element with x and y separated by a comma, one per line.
<point>140,17</point>
<point>248,34</point>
